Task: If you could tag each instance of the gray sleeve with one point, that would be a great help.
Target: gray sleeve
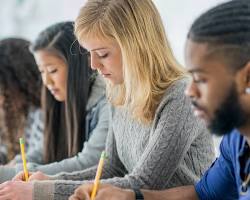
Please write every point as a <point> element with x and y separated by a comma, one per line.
<point>112,166</point>
<point>90,154</point>
<point>3,150</point>
<point>6,173</point>
<point>33,154</point>
<point>62,186</point>
<point>3,153</point>
<point>163,153</point>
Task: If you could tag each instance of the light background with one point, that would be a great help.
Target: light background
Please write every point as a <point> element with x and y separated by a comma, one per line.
<point>26,18</point>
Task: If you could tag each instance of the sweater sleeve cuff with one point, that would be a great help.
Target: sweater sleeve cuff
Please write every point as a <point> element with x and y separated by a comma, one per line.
<point>7,173</point>
<point>55,177</point>
<point>43,190</point>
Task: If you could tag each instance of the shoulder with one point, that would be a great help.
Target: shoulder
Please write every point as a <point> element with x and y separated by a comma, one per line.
<point>35,116</point>
<point>35,113</point>
<point>232,143</point>
<point>177,88</point>
<point>175,94</point>
<point>175,109</point>
<point>37,125</point>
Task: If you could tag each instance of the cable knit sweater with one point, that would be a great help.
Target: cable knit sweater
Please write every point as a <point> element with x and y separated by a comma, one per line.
<point>174,150</point>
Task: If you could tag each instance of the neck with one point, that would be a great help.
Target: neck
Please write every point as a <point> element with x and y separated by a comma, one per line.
<point>245,130</point>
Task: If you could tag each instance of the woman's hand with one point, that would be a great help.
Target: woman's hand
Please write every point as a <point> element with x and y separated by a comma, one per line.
<point>40,176</point>
<point>105,192</point>
<point>82,193</point>
<point>16,190</point>
<point>20,176</point>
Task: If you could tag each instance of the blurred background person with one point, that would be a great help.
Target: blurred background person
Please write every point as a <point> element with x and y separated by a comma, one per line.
<point>20,90</point>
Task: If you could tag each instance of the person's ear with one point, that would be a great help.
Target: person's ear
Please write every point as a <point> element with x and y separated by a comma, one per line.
<point>247,89</point>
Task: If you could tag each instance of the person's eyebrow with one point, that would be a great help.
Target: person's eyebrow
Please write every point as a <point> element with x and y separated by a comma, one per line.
<point>101,48</point>
<point>197,70</point>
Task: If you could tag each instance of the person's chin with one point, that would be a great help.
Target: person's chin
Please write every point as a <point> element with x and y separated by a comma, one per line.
<point>114,81</point>
<point>59,98</point>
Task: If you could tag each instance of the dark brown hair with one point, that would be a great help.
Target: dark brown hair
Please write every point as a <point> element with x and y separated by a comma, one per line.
<point>20,87</point>
<point>65,121</point>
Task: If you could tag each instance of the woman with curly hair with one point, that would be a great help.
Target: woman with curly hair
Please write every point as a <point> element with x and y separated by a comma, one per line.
<point>20,88</point>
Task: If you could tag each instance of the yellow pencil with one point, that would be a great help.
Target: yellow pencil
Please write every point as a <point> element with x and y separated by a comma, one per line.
<point>26,174</point>
<point>98,175</point>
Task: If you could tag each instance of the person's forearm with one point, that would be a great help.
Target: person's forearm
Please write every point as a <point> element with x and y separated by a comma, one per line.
<point>178,193</point>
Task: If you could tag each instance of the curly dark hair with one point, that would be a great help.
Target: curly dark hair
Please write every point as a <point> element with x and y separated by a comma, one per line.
<point>20,89</point>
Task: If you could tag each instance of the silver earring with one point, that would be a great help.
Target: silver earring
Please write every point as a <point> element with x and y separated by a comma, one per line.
<point>248,90</point>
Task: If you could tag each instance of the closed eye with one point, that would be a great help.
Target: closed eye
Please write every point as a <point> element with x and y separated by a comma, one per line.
<point>198,78</point>
<point>103,56</point>
<point>53,71</point>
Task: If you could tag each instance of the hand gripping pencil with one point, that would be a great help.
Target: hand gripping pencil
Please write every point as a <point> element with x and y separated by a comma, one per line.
<point>98,175</point>
<point>26,174</point>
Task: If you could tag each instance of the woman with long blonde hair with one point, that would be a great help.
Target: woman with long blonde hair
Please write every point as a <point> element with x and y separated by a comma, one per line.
<point>154,140</point>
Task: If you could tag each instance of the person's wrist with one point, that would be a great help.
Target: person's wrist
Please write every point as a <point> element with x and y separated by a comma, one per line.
<point>138,194</point>
<point>130,195</point>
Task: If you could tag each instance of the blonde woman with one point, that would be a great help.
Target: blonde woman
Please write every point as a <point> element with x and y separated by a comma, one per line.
<point>154,141</point>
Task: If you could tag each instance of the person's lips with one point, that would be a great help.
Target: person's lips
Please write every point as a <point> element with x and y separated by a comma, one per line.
<point>199,112</point>
<point>54,91</point>
<point>106,75</point>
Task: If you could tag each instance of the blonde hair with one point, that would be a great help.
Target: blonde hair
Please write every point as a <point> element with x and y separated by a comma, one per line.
<point>149,66</point>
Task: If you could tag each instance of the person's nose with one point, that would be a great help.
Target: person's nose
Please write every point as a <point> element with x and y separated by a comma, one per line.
<point>47,81</point>
<point>191,90</point>
<point>95,62</point>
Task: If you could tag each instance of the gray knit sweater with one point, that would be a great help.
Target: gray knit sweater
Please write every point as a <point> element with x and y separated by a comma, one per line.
<point>174,150</point>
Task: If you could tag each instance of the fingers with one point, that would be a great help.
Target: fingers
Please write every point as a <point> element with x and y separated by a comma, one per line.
<point>74,197</point>
<point>19,177</point>
<point>109,192</point>
<point>83,192</point>
<point>38,176</point>
<point>6,196</point>
<point>3,185</point>
<point>16,190</point>
<point>5,190</point>
<point>104,194</point>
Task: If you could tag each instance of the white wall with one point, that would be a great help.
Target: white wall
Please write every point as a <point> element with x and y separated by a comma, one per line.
<point>28,17</point>
<point>178,16</point>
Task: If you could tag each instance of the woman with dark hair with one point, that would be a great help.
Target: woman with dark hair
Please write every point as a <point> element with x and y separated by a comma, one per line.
<point>20,89</point>
<point>74,103</point>
<point>65,104</point>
